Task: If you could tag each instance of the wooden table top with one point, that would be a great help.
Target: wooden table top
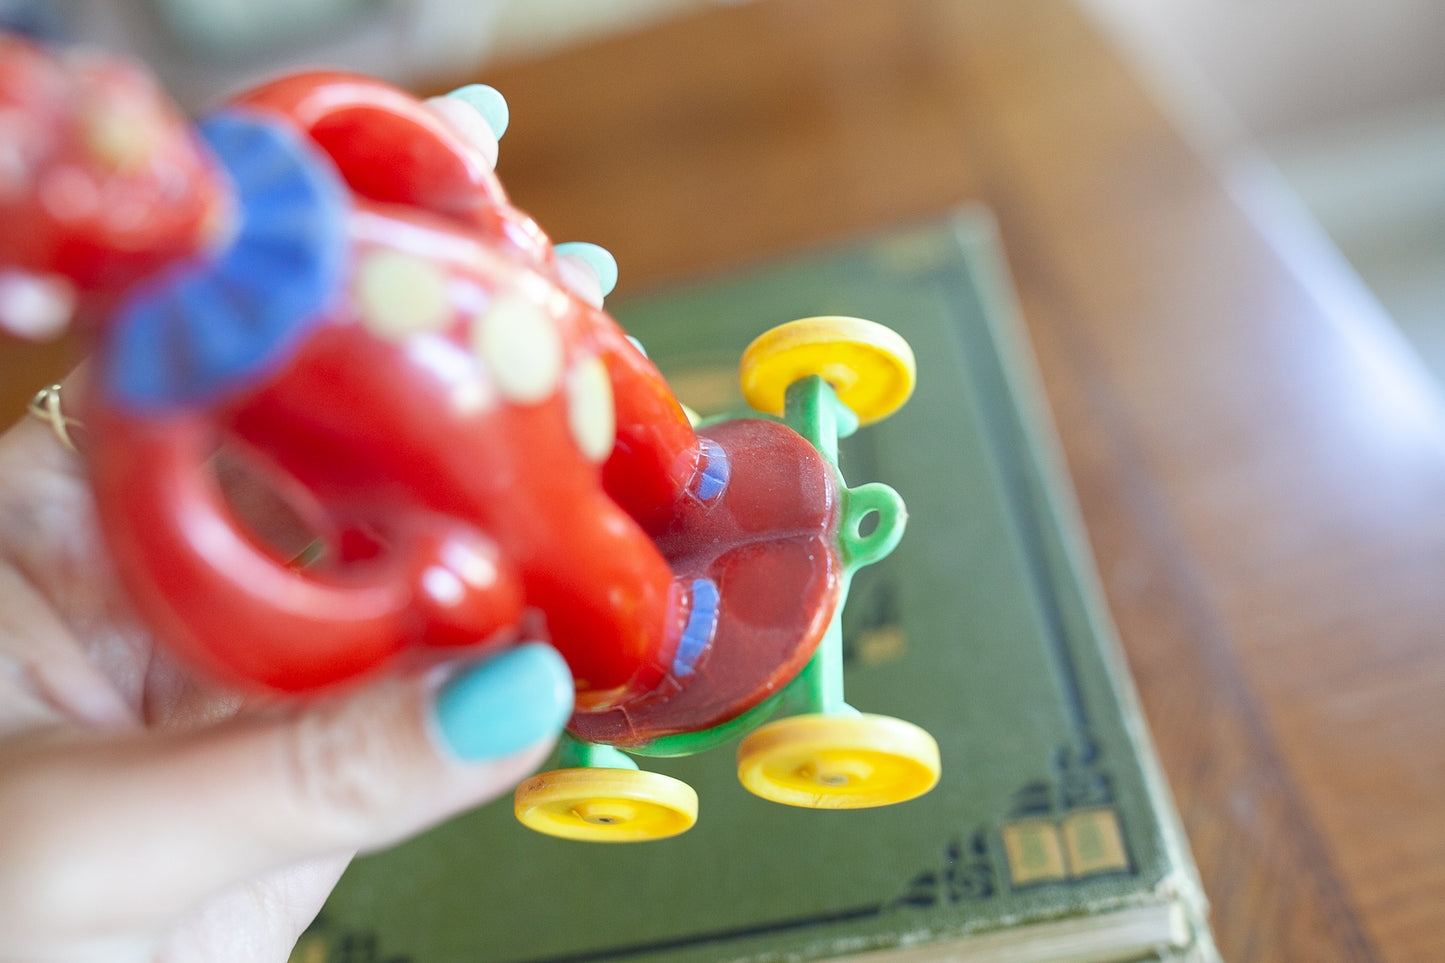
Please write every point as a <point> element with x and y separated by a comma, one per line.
<point>1261,466</point>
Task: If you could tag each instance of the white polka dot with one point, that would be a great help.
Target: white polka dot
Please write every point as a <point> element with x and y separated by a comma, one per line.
<point>590,410</point>
<point>522,346</point>
<point>35,306</point>
<point>399,295</point>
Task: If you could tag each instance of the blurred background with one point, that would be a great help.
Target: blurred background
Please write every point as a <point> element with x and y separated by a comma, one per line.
<point>1343,103</point>
<point>1215,272</point>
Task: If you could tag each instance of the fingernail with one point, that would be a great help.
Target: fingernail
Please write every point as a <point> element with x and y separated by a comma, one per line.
<point>501,706</point>
<point>596,257</point>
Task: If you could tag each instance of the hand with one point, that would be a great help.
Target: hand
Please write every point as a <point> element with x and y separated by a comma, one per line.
<point>148,814</point>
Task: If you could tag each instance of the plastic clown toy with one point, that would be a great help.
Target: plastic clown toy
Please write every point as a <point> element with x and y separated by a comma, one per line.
<point>321,291</point>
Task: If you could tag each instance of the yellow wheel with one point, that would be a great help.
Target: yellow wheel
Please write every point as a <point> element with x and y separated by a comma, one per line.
<point>870,367</point>
<point>606,805</point>
<point>838,762</point>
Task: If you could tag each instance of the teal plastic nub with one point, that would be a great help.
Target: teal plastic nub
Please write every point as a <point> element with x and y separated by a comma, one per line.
<point>487,101</point>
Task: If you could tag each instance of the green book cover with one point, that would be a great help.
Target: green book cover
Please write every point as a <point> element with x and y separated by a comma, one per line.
<point>1051,835</point>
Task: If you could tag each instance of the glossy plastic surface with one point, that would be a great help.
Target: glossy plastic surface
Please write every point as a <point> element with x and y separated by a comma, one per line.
<point>839,762</point>
<point>871,367</point>
<point>606,805</point>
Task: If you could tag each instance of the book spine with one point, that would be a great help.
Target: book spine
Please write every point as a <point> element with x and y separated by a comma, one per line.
<point>978,234</point>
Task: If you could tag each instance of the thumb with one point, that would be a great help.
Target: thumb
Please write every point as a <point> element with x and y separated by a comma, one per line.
<point>366,772</point>
<point>142,828</point>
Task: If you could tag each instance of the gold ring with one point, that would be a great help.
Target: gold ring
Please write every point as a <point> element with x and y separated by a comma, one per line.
<point>46,406</point>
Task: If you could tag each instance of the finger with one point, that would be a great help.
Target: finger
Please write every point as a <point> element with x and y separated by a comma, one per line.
<point>478,114</point>
<point>142,828</point>
<point>51,583</point>
<point>36,466</point>
<point>258,920</point>
<point>45,675</point>
<point>589,270</point>
<point>71,646</point>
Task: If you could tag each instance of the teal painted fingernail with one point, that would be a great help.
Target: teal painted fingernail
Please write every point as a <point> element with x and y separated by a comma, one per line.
<point>501,706</point>
<point>487,101</point>
<point>598,258</point>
